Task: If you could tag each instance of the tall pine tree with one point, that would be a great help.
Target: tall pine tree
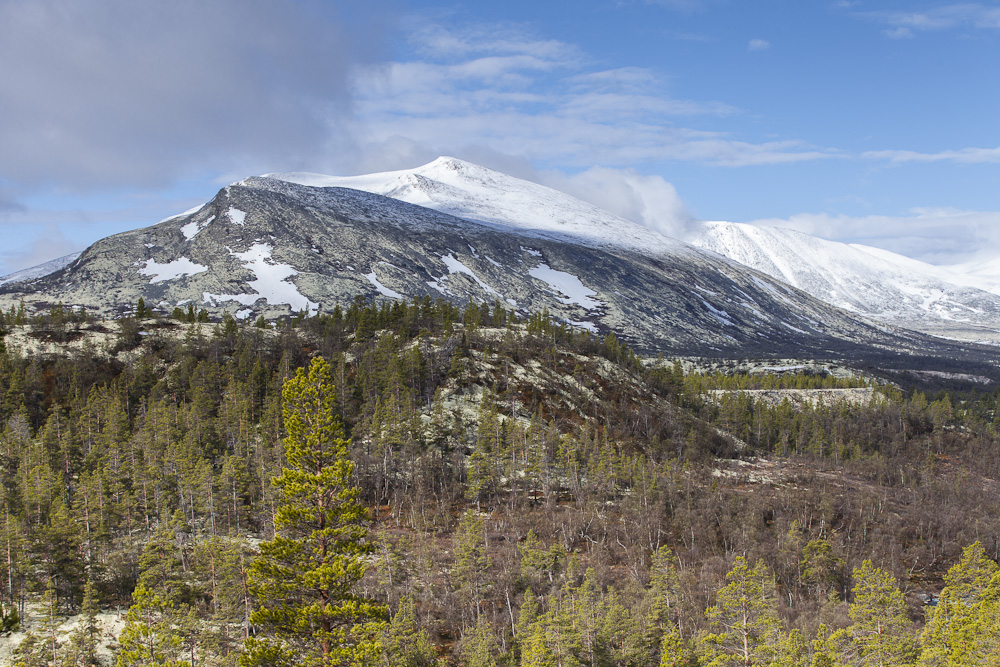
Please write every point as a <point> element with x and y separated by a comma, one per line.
<point>304,578</point>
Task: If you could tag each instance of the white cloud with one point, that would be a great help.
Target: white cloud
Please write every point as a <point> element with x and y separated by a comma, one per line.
<point>758,45</point>
<point>512,94</point>
<point>648,200</point>
<point>902,24</point>
<point>434,40</point>
<point>961,156</point>
<point>899,32</point>
<point>49,243</point>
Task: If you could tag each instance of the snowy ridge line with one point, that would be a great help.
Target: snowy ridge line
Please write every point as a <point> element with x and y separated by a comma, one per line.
<point>478,194</point>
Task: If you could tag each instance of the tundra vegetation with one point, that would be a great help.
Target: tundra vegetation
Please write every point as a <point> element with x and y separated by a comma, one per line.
<point>418,484</point>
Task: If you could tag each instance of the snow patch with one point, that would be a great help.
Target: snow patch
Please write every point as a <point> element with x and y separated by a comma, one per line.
<point>191,229</point>
<point>455,266</point>
<point>589,326</point>
<point>185,213</point>
<point>570,286</point>
<point>237,216</point>
<point>171,270</point>
<point>805,333</point>
<point>270,282</point>
<point>720,315</point>
<point>383,290</point>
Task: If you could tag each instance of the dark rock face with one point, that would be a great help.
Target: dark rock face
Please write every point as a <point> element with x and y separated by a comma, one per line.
<point>268,247</point>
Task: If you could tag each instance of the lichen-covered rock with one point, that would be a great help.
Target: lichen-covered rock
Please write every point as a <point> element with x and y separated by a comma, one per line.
<point>267,247</point>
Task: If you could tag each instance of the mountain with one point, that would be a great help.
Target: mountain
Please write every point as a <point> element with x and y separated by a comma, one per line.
<point>40,270</point>
<point>869,281</point>
<point>489,197</point>
<point>268,247</point>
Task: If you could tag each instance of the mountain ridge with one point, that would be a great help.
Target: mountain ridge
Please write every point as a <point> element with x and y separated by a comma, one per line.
<point>267,247</point>
<point>869,281</point>
<point>951,302</point>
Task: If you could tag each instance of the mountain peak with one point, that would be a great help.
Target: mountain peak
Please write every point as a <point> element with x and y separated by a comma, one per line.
<point>479,194</point>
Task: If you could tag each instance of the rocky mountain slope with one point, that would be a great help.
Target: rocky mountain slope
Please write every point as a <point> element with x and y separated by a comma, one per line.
<point>868,281</point>
<point>270,247</point>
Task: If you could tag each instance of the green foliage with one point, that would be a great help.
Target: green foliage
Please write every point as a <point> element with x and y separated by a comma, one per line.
<point>150,637</point>
<point>471,561</point>
<point>81,649</point>
<point>480,648</point>
<point>744,619</point>
<point>304,578</point>
<point>158,472</point>
<point>880,631</point>
<point>404,643</point>
<point>962,628</point>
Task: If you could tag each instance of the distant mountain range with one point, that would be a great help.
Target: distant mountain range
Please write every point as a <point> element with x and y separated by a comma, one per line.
<point>284,243</point>
<point>40,270</point>
<point>961,302</point>
<point>865,280</point>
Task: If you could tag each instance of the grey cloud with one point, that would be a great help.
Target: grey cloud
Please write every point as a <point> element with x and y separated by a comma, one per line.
<point>9,205</point>
<point>116,92</point>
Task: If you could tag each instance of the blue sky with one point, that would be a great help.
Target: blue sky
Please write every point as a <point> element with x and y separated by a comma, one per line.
<point>866,121</point>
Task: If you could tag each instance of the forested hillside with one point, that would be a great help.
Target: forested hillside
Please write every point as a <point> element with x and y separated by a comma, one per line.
<point>535,495</point>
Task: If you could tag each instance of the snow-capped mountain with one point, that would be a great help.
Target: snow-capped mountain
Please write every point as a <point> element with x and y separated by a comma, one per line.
<point>869,281</point>
<point>475,193</point>
<point>269,246</point>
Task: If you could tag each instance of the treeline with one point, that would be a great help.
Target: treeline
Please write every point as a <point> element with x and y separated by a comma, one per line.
<point>533,487</point>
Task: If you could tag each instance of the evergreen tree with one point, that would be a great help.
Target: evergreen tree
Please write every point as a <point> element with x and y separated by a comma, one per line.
<point>664,598</point>
<point>879,635</point>
<point>480,647</point>
<point>82,647</point>
<point>304,578</point>
<point>404,644</point>
<point>674,652</point>
<point>745,618</point>
<point>960,629</point>
<point>471,561</point>
<point>149,638</point>
<point>41,649</point>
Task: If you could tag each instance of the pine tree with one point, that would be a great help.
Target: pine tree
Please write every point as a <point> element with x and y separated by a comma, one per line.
<point>82,646</point>
<point>304,578</point>
<point>959,629</point>
<point>744,617</point>
<point>149,638</point>
<point>404,644</point>
<point>480,647</point>
<point>621,637</point>
<point>879,634</point>
<point>471,561</point>
<point>664,598</point>
<point>42,649</point>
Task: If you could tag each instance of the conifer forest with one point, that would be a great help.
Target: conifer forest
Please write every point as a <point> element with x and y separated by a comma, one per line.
<point>417,484</point>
